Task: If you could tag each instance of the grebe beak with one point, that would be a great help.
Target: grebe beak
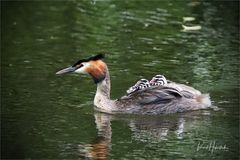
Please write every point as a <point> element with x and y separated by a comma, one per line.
<point>66,70</point>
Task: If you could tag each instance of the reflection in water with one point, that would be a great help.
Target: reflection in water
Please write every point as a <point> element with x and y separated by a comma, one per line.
<point>99,149</point>
<point>157,129</point>
<point>191,28</point>
<point>145,129</point>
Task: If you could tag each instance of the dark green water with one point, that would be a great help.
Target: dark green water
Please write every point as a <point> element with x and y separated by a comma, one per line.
<point>44,116</point>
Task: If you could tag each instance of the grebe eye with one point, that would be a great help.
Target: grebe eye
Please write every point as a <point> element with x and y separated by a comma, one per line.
<point>80,65</point>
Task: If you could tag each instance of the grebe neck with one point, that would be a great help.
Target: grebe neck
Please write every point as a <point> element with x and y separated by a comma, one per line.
<point>102,97</point>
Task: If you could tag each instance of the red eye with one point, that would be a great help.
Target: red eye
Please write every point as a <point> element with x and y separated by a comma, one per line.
<point>80,65</point>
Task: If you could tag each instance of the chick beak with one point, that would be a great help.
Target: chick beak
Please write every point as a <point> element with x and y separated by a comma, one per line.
<point>151,82</point>
<point>66,70</point>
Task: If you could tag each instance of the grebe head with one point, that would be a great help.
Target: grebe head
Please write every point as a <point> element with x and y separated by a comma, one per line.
<point>143,83</point>
<point>158,80</point>
<point>92,65</point>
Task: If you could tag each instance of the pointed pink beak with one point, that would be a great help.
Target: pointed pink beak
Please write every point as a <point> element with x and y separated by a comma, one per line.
<point>66,70</point>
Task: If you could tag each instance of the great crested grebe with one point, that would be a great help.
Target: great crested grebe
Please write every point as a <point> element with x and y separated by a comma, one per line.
<point>168,98</point>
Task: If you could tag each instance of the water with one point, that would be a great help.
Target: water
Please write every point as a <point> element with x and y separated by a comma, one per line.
<point>50,117</point>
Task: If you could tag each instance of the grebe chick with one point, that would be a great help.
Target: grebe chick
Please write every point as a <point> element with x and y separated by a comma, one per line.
<point>169,98</point>
<point>144,83</point>
<point>158,80</point>
<point>141,84</point>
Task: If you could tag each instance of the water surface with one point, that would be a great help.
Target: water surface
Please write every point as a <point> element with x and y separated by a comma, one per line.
<point>50,117</point>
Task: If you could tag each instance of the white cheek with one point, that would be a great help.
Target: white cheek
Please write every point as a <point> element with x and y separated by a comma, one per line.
<point>80,70</point>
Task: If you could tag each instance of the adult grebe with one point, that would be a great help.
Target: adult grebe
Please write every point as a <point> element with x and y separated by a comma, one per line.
<point>170,98</point>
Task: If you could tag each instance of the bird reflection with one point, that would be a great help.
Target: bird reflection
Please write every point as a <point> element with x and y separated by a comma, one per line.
<point>144,129</point>
<point>99,149</point>
<point>156,129</point>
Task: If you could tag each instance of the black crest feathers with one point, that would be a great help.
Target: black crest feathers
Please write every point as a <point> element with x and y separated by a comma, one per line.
<point>97,57</point>
<point>93,58</point>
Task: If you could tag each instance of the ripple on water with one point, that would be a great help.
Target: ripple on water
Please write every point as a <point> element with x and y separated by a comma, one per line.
<point>142,39</point>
